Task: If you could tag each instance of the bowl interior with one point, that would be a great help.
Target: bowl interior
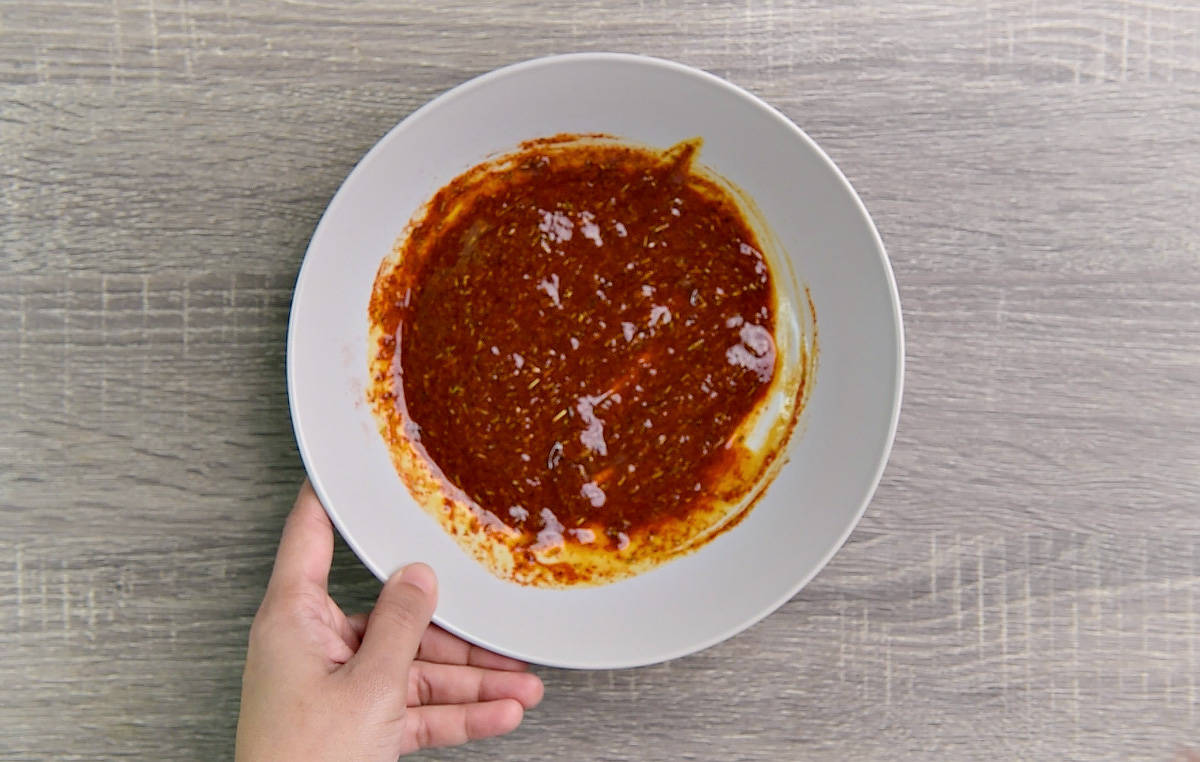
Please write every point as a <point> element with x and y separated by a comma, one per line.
<point>836,456</point>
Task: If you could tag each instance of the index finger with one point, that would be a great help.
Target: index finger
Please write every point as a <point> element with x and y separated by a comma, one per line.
<point>440,646</point>
<point>306,547</point>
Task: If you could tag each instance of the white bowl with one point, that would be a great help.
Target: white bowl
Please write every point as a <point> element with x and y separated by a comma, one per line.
<point>836,457</point>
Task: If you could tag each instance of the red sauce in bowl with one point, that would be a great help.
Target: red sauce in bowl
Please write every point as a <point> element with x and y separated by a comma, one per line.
<point>571,339</point>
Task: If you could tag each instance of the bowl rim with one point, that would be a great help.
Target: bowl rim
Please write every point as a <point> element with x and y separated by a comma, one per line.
<point>482,81</point>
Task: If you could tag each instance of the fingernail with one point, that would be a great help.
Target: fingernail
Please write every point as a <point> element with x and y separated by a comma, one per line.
<point>420,576</point>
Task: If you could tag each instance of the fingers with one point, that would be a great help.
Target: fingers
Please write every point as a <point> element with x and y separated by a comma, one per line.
<point>440,646</point>
<point>397,622</point>
<point>306,548</point>
<point>431,683</point>
<point>453,724</point>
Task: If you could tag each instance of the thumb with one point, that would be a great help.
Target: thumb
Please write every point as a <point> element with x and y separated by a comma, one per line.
<point>398,621</point>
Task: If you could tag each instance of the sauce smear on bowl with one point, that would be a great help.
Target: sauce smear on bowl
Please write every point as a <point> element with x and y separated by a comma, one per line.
<point>568,351</point>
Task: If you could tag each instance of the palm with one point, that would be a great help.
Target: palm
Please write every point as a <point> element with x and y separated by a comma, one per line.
<point>334,635</point>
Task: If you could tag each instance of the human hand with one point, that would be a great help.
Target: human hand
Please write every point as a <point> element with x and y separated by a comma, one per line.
<point>320,685</point>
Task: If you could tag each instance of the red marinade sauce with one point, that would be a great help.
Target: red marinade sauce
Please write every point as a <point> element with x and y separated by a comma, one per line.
<point>581,334</point>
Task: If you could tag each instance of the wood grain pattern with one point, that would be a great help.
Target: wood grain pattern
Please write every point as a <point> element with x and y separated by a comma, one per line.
<point>1025,583</point>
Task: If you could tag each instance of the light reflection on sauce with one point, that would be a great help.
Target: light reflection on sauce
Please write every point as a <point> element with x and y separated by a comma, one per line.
<point>585,331</point>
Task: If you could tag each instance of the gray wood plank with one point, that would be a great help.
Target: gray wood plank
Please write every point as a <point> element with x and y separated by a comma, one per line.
<point>1025,583</point>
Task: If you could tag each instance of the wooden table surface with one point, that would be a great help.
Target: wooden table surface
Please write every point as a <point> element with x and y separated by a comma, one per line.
<point>1025,583</point>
